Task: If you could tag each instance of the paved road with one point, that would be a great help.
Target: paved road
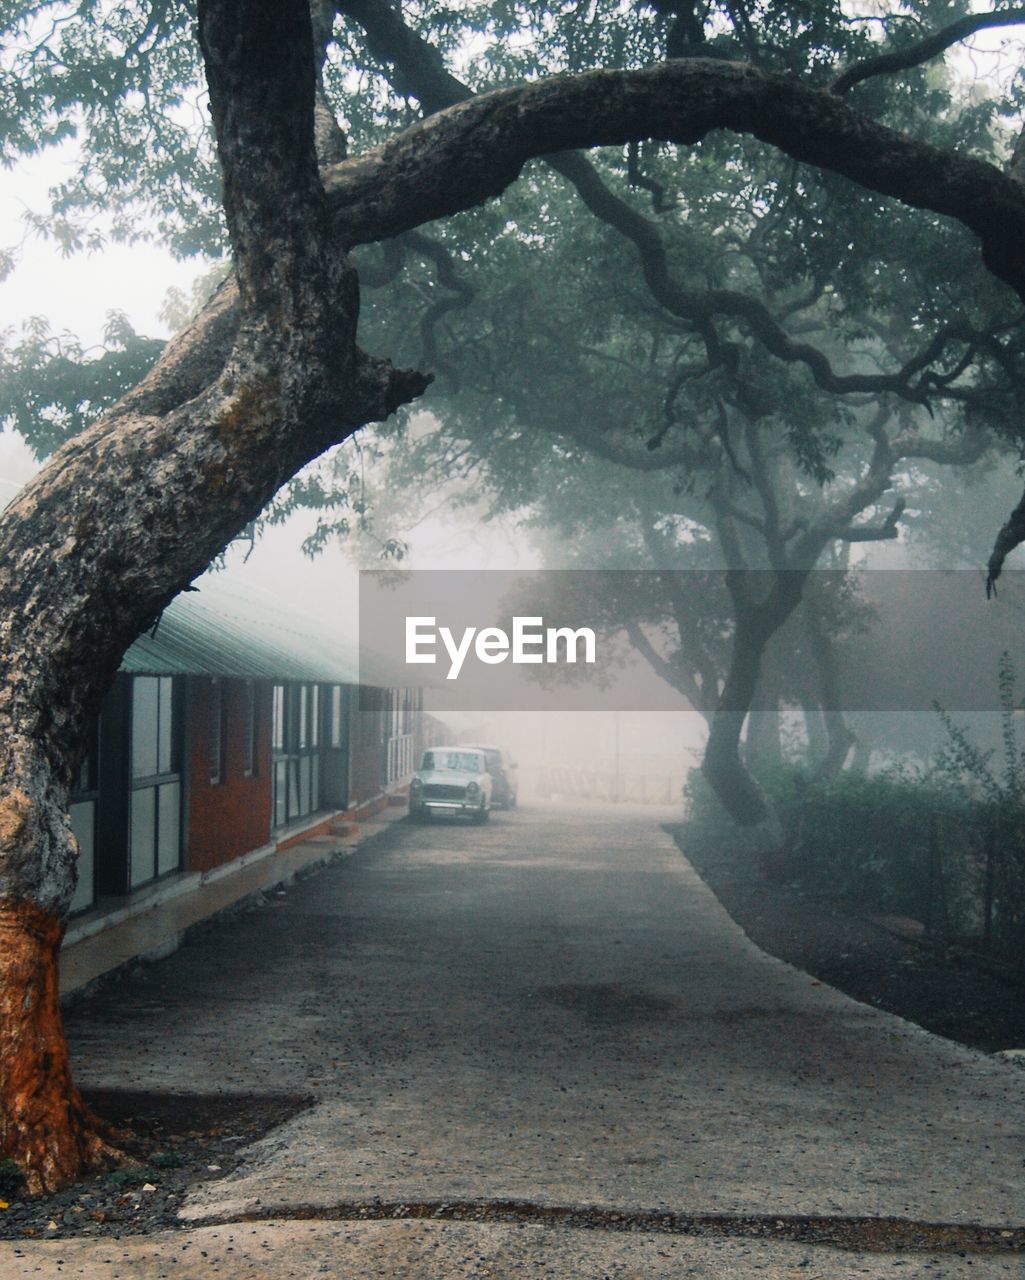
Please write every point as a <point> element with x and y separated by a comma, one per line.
<point>552,1010</point>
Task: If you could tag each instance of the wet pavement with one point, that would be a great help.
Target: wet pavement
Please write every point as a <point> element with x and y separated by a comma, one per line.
<point>546,1013</point>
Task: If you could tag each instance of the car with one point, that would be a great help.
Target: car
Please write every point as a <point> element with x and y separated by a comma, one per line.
<point>502,768</point>
<point>452,780</point>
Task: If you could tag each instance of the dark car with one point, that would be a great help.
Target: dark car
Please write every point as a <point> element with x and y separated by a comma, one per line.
<point>502,768</point>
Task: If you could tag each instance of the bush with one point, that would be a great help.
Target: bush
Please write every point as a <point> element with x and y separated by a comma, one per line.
<point>942,844</point>
<point>11,1178</point>
<point>855,836</point>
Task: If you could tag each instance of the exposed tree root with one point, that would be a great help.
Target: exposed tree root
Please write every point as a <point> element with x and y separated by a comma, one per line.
<point>876,1235</point>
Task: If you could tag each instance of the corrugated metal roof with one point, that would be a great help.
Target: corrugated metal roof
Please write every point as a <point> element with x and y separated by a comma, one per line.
<point>228,632</point>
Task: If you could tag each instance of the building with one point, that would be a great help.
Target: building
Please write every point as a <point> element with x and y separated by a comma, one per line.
<point>234,729</point>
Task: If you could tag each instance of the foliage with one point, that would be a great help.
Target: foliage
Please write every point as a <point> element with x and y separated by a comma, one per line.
<point>12,1179</point>
<point>929,842</point>
<point>860,837</point>
<point>51,387</point>
<point>997,787</point>
<point>544,335</point>
<point>121,83</point>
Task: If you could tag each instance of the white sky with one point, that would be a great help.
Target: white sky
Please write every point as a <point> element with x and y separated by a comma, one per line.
<point>77,292</point>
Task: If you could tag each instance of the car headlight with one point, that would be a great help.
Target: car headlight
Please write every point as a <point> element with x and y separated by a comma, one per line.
<point>416,784</point>
<point>472,788</point>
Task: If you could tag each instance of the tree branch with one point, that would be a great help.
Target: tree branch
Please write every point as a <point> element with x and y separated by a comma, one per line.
<point>871,532</point>
<point>470,153</point>
<point>1011,535</point>
<point>423,73</point>
<point>932,46</point>
<point>675,676</point>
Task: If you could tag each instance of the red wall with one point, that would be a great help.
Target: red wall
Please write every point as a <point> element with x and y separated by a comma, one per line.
<point>233,816</point>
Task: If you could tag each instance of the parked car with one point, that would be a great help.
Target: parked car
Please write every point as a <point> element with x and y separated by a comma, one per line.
<point>502,768</point>
<point>452,780</point>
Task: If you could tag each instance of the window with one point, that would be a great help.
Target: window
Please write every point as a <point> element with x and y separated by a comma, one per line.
<point>155,808</point>
<point>215,740</point>
<point>82,809</point>
<point>303,717</point>
<point>279,718</point>
<point>336,716</point>
<point>296,766</point>
<point>152,720</point>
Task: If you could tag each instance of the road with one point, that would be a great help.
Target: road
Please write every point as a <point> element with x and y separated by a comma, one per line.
<point>553,1010</point>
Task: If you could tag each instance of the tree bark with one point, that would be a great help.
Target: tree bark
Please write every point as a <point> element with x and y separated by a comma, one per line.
<point>756,623</point>
<point>763,749</point>
<point>45,1125</point>
<point>839,736</point>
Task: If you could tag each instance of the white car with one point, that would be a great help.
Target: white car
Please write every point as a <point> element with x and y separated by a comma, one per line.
<point>452,780</point>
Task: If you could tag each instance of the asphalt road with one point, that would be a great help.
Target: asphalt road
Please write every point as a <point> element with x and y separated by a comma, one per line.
<point>552,1010</point>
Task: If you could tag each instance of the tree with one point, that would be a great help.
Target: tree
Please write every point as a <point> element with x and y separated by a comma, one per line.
<point>713,344</point>
<point>133,507</point>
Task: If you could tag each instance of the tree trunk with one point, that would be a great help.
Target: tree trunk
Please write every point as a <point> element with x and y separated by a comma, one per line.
<point>739,793</point>
<point>756,624</point>
<point>814,730</point>
<point>44,1124</point>
<point>129,512</point>
<point>763,747</point>
<point>838,733</point>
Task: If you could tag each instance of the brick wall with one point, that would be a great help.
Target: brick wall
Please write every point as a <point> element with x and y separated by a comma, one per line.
<point>231,817</point>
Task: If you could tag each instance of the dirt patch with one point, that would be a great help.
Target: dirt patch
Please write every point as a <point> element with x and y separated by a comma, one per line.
<point>943,989</point>
<point>173,1140</point>
<point>606,1002</point>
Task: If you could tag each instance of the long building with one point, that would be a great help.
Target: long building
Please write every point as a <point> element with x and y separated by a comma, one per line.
<point>234,728</point>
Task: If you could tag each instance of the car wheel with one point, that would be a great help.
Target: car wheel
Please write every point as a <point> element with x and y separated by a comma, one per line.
<point>481,815</point>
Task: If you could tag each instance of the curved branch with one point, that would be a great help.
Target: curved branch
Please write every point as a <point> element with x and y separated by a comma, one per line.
<point>422,72</point>
<point>471,152</point>
<point>932,46</point>
<point>648,460</point>
<point>1011,535</point>
<point>466,154</point>
<point>951,453</point>
<point>873,532</point>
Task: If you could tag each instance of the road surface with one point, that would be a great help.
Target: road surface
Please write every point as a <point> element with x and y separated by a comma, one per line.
<point>544,1015</point>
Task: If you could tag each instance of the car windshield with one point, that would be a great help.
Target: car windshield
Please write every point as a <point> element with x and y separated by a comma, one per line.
<point>455,761</point>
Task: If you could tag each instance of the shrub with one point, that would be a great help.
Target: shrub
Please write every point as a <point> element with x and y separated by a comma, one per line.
<point>11,1178</point>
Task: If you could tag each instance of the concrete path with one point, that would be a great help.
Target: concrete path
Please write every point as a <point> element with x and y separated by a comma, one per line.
<point>554,1011</point>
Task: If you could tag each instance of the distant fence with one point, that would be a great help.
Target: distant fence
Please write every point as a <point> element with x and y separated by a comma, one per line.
<point>973,886</point>
<point>604,786</point>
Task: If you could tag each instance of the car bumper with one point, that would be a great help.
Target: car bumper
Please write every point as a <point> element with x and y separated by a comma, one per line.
<point>445,806</point>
